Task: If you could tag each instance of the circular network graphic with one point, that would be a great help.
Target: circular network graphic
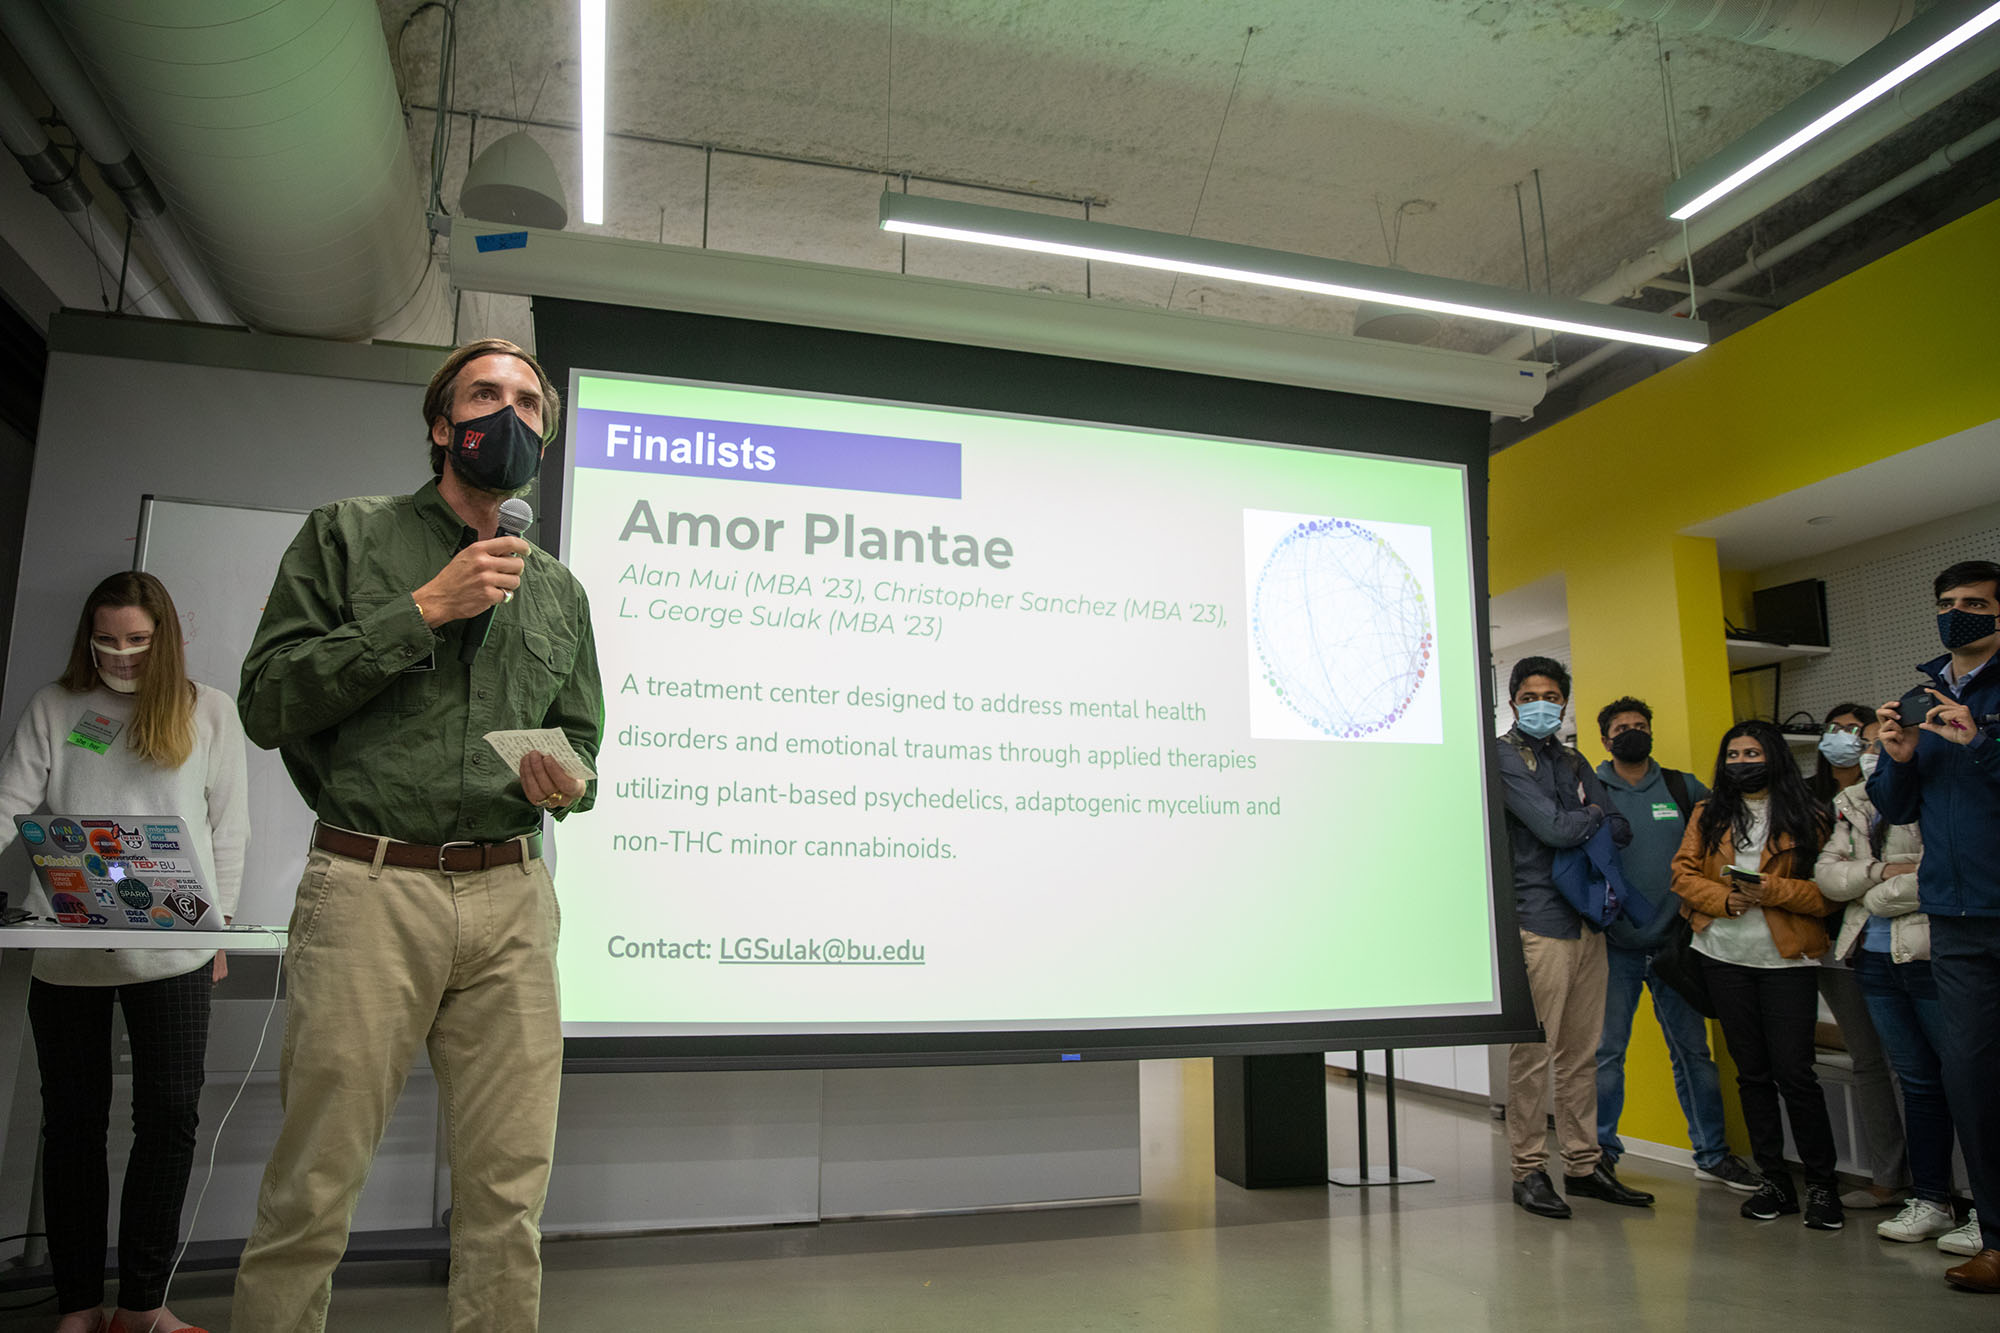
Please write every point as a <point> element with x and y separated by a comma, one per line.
<point>1342,628</point>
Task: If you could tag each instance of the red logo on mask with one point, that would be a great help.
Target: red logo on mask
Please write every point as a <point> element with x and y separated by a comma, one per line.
<point>471,442</point>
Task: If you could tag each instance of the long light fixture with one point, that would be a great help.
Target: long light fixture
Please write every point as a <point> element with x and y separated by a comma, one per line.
<point>593,25</point>
<point>1915,46</point>
<point>918,215</point>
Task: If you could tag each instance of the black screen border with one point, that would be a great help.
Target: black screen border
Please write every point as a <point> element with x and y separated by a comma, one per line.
<point>572,335</point>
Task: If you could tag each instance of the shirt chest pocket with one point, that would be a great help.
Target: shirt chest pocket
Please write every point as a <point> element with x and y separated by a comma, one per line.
<point>415,688</point>
<point>536,674</point>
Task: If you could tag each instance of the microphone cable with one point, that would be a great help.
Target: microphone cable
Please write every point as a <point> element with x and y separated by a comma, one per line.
<point>215,1143</point>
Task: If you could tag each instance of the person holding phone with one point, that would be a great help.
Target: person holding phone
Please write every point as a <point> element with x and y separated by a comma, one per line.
<point>1941,770</point>
<point>1744,874</point>
<point>174,748</point>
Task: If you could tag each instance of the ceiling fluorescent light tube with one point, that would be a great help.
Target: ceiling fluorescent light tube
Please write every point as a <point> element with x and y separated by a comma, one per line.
<point>593,24</point>
<point>1914,47</point>
<point>919,215</point>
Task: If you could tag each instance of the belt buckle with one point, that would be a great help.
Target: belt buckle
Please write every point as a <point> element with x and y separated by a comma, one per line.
<point>444,847</point>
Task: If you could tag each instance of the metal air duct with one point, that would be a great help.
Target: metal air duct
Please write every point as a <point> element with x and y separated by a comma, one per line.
<point>274,132</point>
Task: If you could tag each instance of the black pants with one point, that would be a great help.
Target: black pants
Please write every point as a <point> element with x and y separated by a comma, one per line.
<point>168,1024</point>
<point>1965,963</point>
<point>1767,1016</point>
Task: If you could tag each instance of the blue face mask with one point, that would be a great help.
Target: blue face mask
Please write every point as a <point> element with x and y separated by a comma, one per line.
<point>1842,748</point>
<point>1539,717</point>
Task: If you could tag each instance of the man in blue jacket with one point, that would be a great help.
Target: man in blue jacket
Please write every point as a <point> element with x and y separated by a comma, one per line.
<point>1944,773</point>
<point>1554,801</point>
<point>1655,802</point>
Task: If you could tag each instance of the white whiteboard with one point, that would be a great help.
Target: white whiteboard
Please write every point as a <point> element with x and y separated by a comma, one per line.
<point>218,561</point>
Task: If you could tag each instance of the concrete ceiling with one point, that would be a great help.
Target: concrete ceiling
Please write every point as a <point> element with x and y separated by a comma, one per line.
<point>1308,133</point>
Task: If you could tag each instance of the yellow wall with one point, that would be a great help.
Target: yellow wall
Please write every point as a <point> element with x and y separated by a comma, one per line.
<point>1891,357</point>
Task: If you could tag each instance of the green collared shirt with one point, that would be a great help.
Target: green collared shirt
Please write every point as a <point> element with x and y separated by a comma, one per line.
<point>382,729</point>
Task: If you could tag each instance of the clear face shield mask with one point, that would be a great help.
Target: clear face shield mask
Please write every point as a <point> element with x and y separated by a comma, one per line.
<point>120,668</point>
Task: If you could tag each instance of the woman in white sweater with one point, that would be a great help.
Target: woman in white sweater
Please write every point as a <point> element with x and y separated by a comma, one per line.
<point>177,749</point>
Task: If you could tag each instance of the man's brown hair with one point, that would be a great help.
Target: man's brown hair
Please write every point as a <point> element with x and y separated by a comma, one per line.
<point>438,397</point>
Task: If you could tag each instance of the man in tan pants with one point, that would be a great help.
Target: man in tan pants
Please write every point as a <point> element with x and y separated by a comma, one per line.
<point>399,632</point>
<point>1553,800</point>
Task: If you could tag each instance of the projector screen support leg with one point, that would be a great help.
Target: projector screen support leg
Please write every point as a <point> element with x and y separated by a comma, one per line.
<point>1393,1172</point>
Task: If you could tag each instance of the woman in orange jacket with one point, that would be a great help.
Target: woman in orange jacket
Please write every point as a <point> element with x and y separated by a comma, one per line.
<point>1744,874</point>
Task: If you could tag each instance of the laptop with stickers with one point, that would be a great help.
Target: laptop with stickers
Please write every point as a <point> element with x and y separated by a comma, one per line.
<point>120,872</point>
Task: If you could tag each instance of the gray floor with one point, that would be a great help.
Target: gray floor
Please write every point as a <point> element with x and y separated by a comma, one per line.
<point>1197,1253</point>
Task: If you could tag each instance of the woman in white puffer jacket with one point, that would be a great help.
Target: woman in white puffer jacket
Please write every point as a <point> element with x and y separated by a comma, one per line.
<point>1872,867</point>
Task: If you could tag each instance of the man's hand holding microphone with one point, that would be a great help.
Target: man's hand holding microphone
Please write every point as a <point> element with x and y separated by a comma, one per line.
<point>478,579</point>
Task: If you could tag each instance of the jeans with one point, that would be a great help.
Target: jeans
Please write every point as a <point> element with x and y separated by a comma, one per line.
<point>1965,963</point>
<point>167,1021</point>
<point>1902,999</point>
<point>1767,1016</point>
<point>1697,1082</point>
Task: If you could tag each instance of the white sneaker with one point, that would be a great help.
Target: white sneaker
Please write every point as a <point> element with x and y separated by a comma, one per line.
<point>1966,1239</point>
<point>1920,1220</point>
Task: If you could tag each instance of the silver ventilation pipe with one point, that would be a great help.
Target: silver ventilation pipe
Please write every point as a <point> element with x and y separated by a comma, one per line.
<point>56,69</point>
<point>275,133</point>
<point>1939,162</point>
<point>1831,30</point>
<point>59,183</point>
<point>1906,105</point>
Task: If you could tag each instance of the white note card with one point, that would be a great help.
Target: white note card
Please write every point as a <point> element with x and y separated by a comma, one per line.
<point>514,746</point>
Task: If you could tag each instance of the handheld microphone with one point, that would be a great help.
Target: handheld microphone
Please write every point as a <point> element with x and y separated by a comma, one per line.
<point>515,516</point>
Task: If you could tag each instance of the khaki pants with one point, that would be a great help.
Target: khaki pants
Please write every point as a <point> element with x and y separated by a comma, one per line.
<point>379,960</point>
<point>1567,979</point>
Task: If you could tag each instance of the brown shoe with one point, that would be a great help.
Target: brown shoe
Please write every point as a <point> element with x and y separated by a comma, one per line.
<point>1979,1273</point>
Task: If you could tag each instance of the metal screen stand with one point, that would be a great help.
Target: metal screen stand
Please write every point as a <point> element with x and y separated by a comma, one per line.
<point>1393,1172</point>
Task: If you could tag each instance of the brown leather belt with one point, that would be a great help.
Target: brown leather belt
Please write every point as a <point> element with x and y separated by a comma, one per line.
<point>451,858</point>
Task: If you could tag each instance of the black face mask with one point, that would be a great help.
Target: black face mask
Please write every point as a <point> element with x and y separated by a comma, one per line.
<point>496,452</point>
<point>1957,628</point>
<point>1754,775</point>
<point>1631,747</point>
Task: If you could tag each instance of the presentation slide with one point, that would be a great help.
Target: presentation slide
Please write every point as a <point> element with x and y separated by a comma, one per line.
<point>923,720</point>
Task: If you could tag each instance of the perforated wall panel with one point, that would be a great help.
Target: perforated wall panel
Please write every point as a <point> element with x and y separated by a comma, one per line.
<point>1880,622</point>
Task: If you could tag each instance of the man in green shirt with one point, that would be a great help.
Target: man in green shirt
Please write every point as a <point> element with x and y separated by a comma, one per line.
<point>400,630</point>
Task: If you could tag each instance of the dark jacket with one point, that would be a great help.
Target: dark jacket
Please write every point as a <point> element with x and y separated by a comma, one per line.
<point>1952,793</point>
<point>1539,784</point>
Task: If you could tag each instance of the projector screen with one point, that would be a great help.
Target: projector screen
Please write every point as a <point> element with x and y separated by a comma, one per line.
<point>941,732</point>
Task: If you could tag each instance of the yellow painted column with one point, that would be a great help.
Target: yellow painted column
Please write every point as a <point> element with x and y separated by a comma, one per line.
<point>1645,619</point>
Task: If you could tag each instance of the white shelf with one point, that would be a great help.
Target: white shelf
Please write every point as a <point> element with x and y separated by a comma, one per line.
<point>236,939</point>
<point>1746,653</point>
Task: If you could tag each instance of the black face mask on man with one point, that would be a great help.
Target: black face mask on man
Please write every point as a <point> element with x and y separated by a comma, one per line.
<point>496,452</point>
<point>1957,628</point>
<point>1632,747</point>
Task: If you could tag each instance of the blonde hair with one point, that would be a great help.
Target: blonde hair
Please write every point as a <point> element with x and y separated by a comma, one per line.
<point>162,729</point>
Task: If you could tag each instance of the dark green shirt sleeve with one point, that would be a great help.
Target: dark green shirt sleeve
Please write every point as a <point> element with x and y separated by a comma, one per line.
<point>310,666</point>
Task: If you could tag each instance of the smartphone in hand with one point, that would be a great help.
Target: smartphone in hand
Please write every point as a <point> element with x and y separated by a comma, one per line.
<point>1742,876</point>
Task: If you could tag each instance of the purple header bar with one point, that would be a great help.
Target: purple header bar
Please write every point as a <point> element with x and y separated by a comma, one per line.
<point>780,455</point>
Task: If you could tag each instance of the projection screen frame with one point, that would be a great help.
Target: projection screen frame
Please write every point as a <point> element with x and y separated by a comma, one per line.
<point>653,343</point>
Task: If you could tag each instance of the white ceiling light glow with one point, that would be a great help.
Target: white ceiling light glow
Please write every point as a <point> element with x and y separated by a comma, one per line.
<point>593,24</point>
<point>917,215</point>
<point>1914,47</point>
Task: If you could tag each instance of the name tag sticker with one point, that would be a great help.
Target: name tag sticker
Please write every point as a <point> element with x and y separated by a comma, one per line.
<point>1668,811</point>
<point>95,732</point>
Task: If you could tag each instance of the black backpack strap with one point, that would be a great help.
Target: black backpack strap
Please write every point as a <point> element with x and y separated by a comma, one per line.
<point>1677,788</point>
